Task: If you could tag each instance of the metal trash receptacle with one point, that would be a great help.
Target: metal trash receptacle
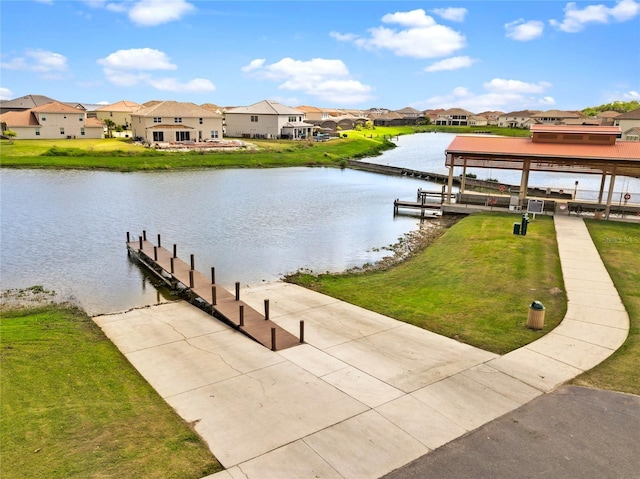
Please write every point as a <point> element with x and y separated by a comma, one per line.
<point>516,228</point>
<point>535,319</point>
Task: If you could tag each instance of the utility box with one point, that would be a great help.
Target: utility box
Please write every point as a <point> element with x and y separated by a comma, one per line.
<point>516,228</point>
<point>535,319</point>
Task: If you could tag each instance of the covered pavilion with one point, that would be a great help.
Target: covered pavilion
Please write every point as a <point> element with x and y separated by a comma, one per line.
<point>551,148</point>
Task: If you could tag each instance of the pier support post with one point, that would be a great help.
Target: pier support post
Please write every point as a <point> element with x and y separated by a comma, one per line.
<point>191,278</point>
<point>214,299</point>
<point>171,265</point>
<point>128,238</point>
<point>266,309</point>
<point>273,339</point>
<point>155,253</point>
<point>193,262</point>
<point>241,315</point>
<point>159,244</point>
<point>140,242</point>
<point>213,275</point>
<point>237,290</point>
<point>144,235</point>
<point>175,250</point>
<point>301,331</point>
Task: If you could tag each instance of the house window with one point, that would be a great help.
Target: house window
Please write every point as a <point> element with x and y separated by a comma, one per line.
<point>81,131</point>
<point>182,136</point>
<point>62,131</point>
<point>43,118</point>
<point>80,118</point>
<point>158,136</point>
<point>110,113</point>
<point>254,118</point>
<point>177,120</point>
<point>292,119</point>
<point>214,133</point>
<point>157,119</point>
<point>200,121</point>
<point>37,131</point>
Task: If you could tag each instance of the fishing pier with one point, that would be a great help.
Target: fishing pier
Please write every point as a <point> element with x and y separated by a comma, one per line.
<point>203,292</point>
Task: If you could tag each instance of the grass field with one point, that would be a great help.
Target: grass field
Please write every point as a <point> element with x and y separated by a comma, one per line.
<point>73,407</point>
<point>619,247</point>
<point>474,284</point>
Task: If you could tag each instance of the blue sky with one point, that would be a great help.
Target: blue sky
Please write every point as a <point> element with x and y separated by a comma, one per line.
<point>478,55</point>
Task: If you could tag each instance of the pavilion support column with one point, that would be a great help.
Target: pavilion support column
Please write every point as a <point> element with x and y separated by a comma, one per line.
<point>602,182</point>
<point>612,183</point>
<point>449,185</point>
<point>524,182</point>
<point>463,180</point>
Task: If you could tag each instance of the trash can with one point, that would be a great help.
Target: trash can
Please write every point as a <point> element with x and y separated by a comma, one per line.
<point>535,320</point>
<point>516,228</point>
<point>597,215</point>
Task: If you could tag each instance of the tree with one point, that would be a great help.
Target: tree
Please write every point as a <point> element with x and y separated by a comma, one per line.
<point>10,134</point>
<point>110,126</point>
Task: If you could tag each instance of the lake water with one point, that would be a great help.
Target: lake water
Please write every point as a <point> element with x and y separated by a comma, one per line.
<point>66,230</point>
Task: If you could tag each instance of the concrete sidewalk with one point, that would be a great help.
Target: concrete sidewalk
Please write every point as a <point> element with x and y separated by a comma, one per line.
<point>365,394</point>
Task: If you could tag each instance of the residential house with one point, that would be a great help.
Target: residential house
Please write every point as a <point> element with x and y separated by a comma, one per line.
<point>491,116</point>
<point>453,117</point>
<point>607,118</point>
<point>391,118</point>
<point>556,117</point>
<point>119,113</point>
<point>267,119</point>
<point>517,119</point>
<point>629,124</point>
<point>410,115</point>
<point>432,115</point>
<point>169,121</point>
<point>478,120</point>
<point>52,120</point>
<point>24,103</point>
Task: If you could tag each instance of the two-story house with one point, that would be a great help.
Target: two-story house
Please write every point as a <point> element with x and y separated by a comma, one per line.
<point>453,117</point>
<point>629,124</point>
<point>517,119</point>
<point>53,120</point>
<point>119,113</point>
<point>169,121</point>
<point>267,119</point>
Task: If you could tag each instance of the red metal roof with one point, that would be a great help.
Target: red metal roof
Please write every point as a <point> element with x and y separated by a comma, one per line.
<point>591,130</point>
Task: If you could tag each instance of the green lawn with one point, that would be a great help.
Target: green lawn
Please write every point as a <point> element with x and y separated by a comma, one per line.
<point>73,407</point>
<point>619,247</point>
<point>474,284</point>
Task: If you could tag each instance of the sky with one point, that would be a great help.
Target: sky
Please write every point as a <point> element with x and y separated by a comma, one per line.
<point>478,55</point>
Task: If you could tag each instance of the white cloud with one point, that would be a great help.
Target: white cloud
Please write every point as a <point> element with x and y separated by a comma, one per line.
<point>499,95</point>
<point>138,59</point>
<point>5,94</point>
<point>150,13</point>
<point>575,19</point>
<point>50,64</point>
<point>171,84</point>
<point>453,14</point>
<point>631,95</point>
<point>524,31</point>
<point>515,86</point>
<point>328,80</point>
<point>135,66</point>
<point>453,63</point>
<point>419,36</point>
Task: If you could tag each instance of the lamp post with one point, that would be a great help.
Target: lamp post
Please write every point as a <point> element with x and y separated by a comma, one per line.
<point>575,190</point>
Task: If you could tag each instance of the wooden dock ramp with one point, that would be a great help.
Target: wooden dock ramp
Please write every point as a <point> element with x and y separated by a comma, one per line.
<point>203,291</point>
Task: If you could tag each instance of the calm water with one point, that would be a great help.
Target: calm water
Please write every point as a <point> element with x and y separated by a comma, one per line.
<point>66,230</point>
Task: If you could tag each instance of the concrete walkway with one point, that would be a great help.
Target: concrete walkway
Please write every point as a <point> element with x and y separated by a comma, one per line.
<point>366,394</point>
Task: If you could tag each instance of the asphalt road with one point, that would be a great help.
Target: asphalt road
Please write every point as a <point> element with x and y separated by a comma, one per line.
<point>574,432</point>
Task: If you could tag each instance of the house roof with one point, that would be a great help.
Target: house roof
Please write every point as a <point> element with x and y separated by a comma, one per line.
<point>630,115</point>
<point>56,107</point>
<point>521,113</point>
<point>510,152</point>
<point>26,102</point>
<point>94,123</point>
<point>18,118</point>
<point>608,114</point>
<point>455,111</point>
<point>175,109</point>
<point>121,106</point>
<point>408,111</point>
<point>265,107</point>
<point>212,107</point>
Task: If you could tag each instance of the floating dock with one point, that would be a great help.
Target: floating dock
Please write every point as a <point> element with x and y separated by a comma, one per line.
<point>203,292</point>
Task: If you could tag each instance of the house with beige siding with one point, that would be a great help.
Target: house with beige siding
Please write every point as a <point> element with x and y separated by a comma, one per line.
<point>119,113</point>
<point>453,117</point>
<point>267,119</point>
<point>517,119</point>
<point>172,121</point>
<point>556,117</point>
<point>53,120</point>
<point>629,124</point>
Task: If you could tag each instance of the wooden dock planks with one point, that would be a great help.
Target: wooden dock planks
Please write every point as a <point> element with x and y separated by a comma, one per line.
<point>173,270</point>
